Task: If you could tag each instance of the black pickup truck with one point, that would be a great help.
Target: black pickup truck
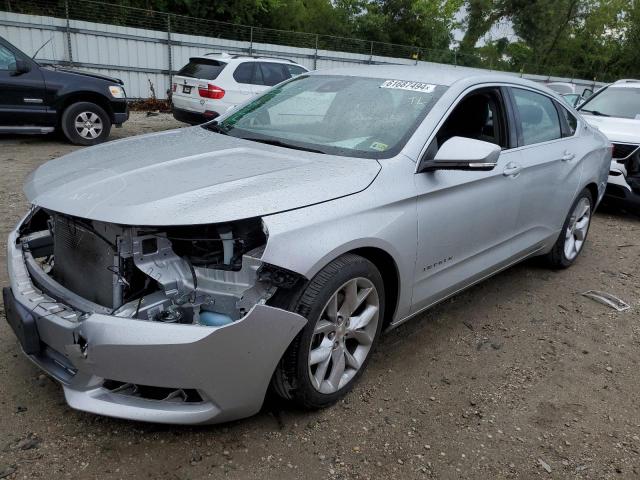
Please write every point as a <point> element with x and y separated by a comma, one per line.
<point>37,99</point>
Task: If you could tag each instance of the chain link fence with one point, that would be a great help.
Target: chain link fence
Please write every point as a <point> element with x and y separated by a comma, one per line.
<point>176,33</point>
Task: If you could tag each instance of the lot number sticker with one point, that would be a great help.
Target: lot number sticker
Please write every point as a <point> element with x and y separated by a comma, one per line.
<point>411,86</point>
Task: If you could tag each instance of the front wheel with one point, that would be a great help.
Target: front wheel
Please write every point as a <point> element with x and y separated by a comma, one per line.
<point>85,123</point>
<point>344,305</point>
<point>574,232</point>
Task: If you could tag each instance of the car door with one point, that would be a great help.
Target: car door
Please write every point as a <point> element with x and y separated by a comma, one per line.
<point>21,93</point>
<point>551,168</point>
<point>466,219</point>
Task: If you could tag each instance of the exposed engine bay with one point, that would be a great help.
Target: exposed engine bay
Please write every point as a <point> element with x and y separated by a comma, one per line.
<point>205,274</point>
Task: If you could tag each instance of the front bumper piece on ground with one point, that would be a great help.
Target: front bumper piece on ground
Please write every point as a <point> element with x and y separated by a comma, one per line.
<point>230,367</point>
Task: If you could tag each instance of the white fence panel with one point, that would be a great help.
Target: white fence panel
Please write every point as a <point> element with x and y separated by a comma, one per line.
<point>30,38</point>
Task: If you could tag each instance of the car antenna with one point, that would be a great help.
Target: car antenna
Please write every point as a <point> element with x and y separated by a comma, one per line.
<point>41,47</point>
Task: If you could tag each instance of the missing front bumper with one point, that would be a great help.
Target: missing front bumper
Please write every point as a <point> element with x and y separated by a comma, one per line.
<point>229,366</point>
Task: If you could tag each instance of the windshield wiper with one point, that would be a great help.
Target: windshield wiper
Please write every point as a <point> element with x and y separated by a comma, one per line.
<point>216,127</point>
<point>279,143</point>
<point>595,112</point>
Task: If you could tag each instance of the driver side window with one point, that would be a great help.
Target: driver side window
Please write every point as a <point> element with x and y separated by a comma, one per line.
<point>481,115</point>
<point>7,59</point>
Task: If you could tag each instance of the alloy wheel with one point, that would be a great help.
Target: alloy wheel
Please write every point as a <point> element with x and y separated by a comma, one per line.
<point>89,125</point>
<point>577,229</point>
<point>343,335</point>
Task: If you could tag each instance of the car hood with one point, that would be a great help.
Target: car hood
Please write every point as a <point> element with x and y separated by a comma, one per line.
<point>89,74</point>
<point>192,176</point>
<point>626,130</point>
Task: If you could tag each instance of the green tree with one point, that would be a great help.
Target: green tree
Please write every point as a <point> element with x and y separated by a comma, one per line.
<point>424,23</point>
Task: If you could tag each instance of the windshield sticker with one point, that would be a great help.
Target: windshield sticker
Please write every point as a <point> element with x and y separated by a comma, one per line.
<point>380,147</point>
<point>418,100</point>
<point>411,86</point>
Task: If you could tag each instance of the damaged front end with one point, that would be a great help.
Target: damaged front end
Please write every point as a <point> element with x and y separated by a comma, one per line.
<point>623,184</point>
<point>156,324</point>
<point>208,275</point>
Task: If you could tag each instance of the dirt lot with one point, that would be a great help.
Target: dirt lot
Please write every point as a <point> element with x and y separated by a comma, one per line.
<point>519,377</point>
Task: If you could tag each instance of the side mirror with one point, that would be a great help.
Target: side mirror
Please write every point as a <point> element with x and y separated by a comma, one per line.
<point>460,153</point>
<point>22,66</point>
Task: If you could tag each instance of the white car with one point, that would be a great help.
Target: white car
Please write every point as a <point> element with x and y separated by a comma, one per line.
<point>573,94</point>
<point>615,110</point>
<point>211,84</point>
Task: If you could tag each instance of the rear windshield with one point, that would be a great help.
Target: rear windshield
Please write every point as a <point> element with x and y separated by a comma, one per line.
<point>202,68</point>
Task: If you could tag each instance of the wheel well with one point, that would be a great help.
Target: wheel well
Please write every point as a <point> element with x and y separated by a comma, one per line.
<point>593,190</point>
<point>389,271</point>
<point>92,97</point>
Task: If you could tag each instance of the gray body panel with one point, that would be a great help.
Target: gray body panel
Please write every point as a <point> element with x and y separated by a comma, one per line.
<point>444,231</point>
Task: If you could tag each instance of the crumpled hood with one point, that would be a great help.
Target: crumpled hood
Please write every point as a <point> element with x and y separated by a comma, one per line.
<point>625,130</point>
<point>191,176</point>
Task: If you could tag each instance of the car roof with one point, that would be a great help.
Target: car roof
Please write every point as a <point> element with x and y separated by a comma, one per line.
<point>225,57</point>
<point>626,83</point>
<point>432,73</point>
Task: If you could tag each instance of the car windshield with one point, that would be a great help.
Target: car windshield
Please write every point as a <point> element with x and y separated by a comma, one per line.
<point>339,115</point>
<point>615,102</point>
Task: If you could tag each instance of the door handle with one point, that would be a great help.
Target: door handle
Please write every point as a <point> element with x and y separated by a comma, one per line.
<point>512,170</point>
<point>568,156</point>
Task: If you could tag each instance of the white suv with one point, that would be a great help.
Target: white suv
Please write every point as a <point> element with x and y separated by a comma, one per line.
<point>615,110</point>
<point>211,84</point>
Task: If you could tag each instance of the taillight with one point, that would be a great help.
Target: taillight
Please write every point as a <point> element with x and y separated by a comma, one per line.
<point>211,92</point>
<point>174,87</point>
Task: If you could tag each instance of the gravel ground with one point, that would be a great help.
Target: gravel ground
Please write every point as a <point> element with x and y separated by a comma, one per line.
<point>519,377</point>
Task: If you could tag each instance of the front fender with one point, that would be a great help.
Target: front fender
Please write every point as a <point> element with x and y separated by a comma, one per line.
<point>307,239</point>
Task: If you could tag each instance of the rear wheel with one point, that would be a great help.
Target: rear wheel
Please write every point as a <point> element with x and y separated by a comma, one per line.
<point>85,123</point>
<point>344,304</point>
<point>574,232</point>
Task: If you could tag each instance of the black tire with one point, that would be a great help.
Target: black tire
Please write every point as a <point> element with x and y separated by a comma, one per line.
<point>291,380</point>
<point>557,258</point>
<point>68,123</point>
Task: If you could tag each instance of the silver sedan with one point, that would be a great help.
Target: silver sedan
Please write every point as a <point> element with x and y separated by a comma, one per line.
<point>173,277</point>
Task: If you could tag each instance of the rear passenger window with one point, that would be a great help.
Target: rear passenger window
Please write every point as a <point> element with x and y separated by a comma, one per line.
<point>202,68</point>
<point>273,73</point>
<point>538,117</point>
<point>245,73</point>
<point>295,70</point>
